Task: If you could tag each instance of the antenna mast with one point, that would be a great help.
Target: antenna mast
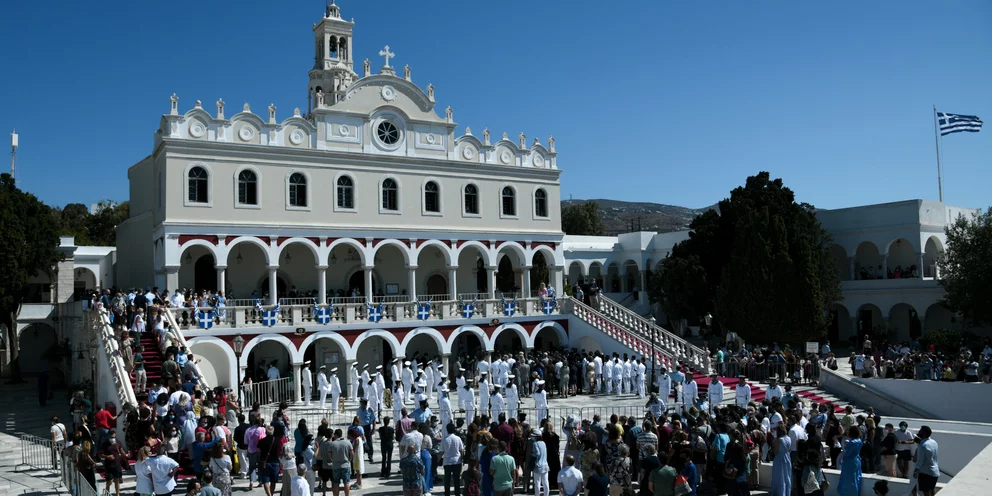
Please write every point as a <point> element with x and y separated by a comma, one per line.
<point>13,154</point>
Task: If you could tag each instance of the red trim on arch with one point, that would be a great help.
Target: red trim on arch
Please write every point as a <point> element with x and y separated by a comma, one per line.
<point>185,238</point>
<point>265,239</point>
<point>543,243</point>
<point>446,242</point>
<point>281,240</point>
<point>329,241</point>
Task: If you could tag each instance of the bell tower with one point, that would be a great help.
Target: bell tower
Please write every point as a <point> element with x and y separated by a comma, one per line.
<point>333,67</point>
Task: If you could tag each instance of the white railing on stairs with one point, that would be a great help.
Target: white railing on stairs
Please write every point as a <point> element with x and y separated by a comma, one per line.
<point>100,320</point>
<point>177,335</point>
<point>618,332</point>
<point>684,350</point>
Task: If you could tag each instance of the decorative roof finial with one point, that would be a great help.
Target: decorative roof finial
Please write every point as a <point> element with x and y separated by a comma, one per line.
<point>430,91</point>
<point>387,69</point>
<point>551,144</point>
<point>485,136</point>
<point>406,72</point>
<point>523,141</point>
<point>246,108</point>
<point>174,104</point>
<point>220,108</point>
<point>468,131</point>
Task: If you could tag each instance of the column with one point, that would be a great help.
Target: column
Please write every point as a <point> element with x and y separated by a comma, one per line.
<point>273,286</point>
<point>491,281</point>
<point>368,282</point>
<point>412,284</point>
<point>919,264</point>
<point>885,266</point>
<point>171,278</point>
<point>446,360</point>
<point>525,283</point>
<point>221,276</point>
<point>644,281</point>
<point>345,380</point>
<point>853,268</point>
<point>297,383</point>
<point>453,283</point>
<point>557,278</point>
<point>321,284</point>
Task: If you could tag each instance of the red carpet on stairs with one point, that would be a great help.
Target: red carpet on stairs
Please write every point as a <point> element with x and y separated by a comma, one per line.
<point>153,363</point>
<point>757,391</point>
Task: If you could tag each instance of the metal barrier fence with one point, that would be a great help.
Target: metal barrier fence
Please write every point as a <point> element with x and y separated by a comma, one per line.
<point>268,392</point>
<point>39,453</point>
<point>73,480</point>
<point>802,372</point>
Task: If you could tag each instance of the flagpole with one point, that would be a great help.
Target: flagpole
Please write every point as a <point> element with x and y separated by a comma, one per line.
<point>936,140</point>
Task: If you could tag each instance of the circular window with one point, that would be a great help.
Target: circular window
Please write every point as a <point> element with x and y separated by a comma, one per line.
<point>387,133</point>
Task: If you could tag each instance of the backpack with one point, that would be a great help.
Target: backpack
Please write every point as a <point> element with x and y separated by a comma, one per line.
<point>697,443</point>
<point>811,481</point>
<point>472,489</point>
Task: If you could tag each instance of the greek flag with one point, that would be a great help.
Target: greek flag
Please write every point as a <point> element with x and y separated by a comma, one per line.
<point>548,306</point>
<point>509,308</point>
<point>270,317</point>
<point>258,304</point>
<point>467,309</point>
<point>375,313</point>
<point>956,123</point>
<point>424,310</point>
<point>204,320</point>
<point>322,315</point>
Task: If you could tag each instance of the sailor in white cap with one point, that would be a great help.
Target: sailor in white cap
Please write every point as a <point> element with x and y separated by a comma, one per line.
<point>608,376</point>
<point>306,379</point>
<point>484,388</point>
<point>617,375</point>
<point>469,403</point>
<point>496,403</point>
<point>429,378</point>
<point>366,375</point>
<point>482,366</point>
<point>372,394</point>
<point>714,392</point>
<point>443,405</point>
<point>512,399</point>
<point>335,389</point>
<point>380,388</point>
<point>397,400</point>
<point>664,384</point>
<point>460,382</point>
<point>420,390</point>
<point>353,394</point>
<point>322,385</point>
<point>439,378</point>
<point>394,372</point>
<point>407,381</point>
<point>540,400</point>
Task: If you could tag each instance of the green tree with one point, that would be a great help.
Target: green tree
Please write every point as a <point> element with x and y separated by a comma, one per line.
<point>28,241</point>
<point>966,268</point>
<point>582,219</point>
<point>765,261</point>
<point>679,287</point>
<point>102,226</point>
<point>73,220</point>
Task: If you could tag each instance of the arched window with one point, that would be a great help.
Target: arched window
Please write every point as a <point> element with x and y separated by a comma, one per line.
<point>247,188</point>
<point>346,192</point>
<point>297,190</point>
<point>390,195</point>
<point>198,185</point>
<point>509,201</point>
<point>541,203</point>
<point>471,199</point>
<point>432,197</point>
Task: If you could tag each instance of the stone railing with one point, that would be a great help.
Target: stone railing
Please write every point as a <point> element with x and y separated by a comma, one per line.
<point>173,329</point>
<point>110,354</point>
<point>698,357</point>
<point>620,333</point>
<point>357,313</point>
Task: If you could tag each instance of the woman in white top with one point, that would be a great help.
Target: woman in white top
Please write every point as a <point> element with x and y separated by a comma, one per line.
<point>143,484</point>
<point>288,462</point>
<point>220,466</point>
<point>139,322</point>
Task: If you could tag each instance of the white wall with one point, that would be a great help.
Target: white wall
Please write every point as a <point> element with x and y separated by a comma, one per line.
<point>970,402</point>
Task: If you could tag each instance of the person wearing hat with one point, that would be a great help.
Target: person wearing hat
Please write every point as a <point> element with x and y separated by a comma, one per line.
<point>322,385</point>
<point>641,368</point>
<point>380,387</point>
<point>742,392</point>
<point>469,394</point>
<point>444,405</point>
<point>714,392</point>
<point>439,377</point>
<point>420,388</point>
<point>354,381</point>
<point>617,375</point>
<point>366,377</point>
<point>496,403</point>
<point>512,398</point>
<point>690,392</point>
<point>460,382</point>
<point>394,373</point>
<point>372,395</point>
<point>608,376</point>
<point>429,379</point>
<point>407,381</point>
<point>484,388</point>
<point>773,390</point>
<point>306,379</point>
<point>541,468</point>
<point>540,401</point>
<point>334,387</point>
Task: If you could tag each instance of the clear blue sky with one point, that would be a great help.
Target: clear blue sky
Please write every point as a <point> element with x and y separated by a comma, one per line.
<point>669,102</point>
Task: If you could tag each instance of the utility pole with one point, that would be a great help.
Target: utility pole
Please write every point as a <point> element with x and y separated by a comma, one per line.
<point>13,154</point>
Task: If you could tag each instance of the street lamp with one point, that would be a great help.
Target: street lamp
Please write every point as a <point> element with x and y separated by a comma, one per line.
<point>654,357</point>
<point>239,346</point>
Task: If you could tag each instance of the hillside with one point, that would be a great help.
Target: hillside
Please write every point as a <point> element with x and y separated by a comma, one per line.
<point>618,215</point>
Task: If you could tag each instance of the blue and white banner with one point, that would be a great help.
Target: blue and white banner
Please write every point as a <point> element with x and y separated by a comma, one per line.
<point>548,306</point>
<point>509,308</point>
<point>270,317</point>
<point>375,313</point>
<point>468,309</point>
<point>204,320</point>
<point>322,315</point>
<point>424,310</point>
<point>957,123</point>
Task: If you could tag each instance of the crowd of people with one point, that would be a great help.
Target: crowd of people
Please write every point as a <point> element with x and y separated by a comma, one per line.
<point>909,360</point>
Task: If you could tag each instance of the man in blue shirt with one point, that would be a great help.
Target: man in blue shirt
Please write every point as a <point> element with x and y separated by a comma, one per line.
<point>678,378</point>
<point>422,413</point>
<point>927,470</point>
<point>198,449</point>
<point>366,418</point>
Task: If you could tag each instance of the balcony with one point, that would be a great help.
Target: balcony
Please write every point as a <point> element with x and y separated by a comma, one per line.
<point>873,285</point>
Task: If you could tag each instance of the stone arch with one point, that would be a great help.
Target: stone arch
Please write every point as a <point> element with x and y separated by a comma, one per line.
<point>576,273</point>
<point>362,255</point>
<point>904,322</point>
<point>403,249</point>
<point>868,262</point>
<point>631,275</point>
<point>35,340</point>
<point>294,353</point>
<point>517,328</point>
<point>250,240</point>
<point>839,254</point>
<point>550,256</point>
<point>197,266</point>
<point>550,326</point>
<point>900,258</point>
<point>868,319</point>
<point>522,259</point>
<point>469,329</point>
<point>840,329</point>
<point>331,335</point>
<point>596,273</point>
<point>445,250</point>
<point>424,332</point>
<point>386,336</point>
<point>314,249</point>
<point>939,317</point>
<point>218,364</point>
<point>932,252</point>
<point>86,276</point>
<point>484,252</point>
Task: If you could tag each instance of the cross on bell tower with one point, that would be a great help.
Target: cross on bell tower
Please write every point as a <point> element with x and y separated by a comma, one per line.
<point>333,68</point>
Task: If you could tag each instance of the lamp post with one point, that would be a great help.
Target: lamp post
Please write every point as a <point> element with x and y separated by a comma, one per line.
<point>239,346</point>
<point>654,356</point>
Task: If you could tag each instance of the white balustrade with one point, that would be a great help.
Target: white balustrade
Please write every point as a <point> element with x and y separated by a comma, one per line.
<point>637,324</point>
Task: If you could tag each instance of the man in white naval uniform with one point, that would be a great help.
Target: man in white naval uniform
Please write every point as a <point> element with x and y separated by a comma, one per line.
<point>496,403</point>
<point>627,377</point>
<point>540,401</point>
<point>407,381</point>
<point>482,367</point>
<point>469,403</point>
<point>353,394</point>
<point>512,398</point>
<point>322,386</point>
<point>366,377</point>
<point>608,376</point>
<point>714,392</point>
<point>335,388</point>
<point>307,381</point>
<point>690,391</point>
<point>598,363</point>
<point>396,375</point>
<point>773,390</point>
<point>444,406</point>
<point>460,383</point>
<point>380,388</point>
<point>483,393</point>
<point>429,379</point>
<point>742,393</point>
<point>372,395</point>
<point>440,378</point>
<point>664,382</point>
<point>641,369</point>
<point>617,375</point>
